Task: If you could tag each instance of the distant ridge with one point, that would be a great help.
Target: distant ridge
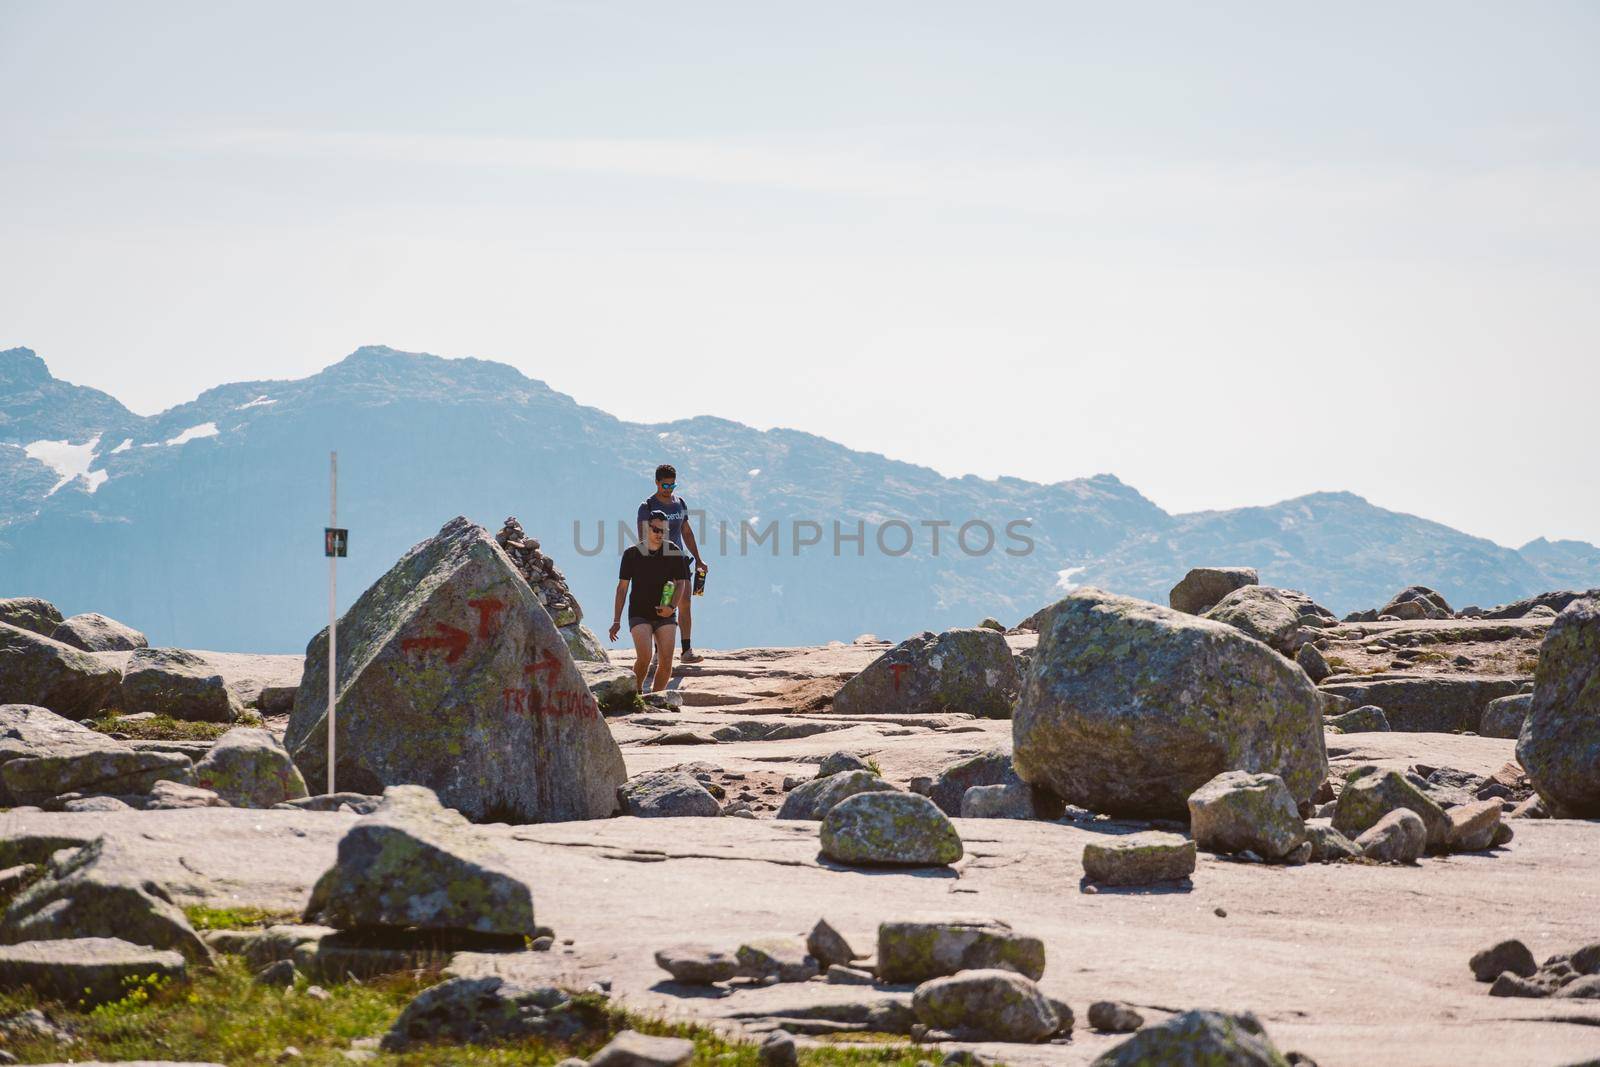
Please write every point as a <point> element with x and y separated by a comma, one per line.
<point>201,525</point>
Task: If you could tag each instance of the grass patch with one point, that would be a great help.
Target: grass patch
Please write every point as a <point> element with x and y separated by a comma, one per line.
<point>165,728</point>
<point>1527,664</point>
<point>204,918</point>
<point>223,1015</point>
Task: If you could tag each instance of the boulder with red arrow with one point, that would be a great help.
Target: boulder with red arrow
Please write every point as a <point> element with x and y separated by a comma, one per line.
<point>453,676</point>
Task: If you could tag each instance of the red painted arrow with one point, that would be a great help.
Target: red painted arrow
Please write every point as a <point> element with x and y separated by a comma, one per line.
<point>451,640</point>
<point>548,664</point>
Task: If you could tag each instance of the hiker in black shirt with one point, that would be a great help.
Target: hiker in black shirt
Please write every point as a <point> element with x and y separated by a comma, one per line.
<point>653,624</point>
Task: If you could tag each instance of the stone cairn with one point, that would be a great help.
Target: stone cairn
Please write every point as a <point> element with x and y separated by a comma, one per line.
<point>541,573</point>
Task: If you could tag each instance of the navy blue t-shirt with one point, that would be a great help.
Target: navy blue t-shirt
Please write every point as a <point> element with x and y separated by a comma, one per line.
<point>677,514</point>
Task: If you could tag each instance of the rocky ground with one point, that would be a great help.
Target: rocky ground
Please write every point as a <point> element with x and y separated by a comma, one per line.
<point>1348,963</point>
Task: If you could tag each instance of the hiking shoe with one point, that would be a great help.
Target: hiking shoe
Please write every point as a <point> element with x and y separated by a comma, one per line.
<point>691,657</point>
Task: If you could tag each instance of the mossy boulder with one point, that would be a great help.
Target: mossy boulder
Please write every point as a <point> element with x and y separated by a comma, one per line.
<point>994,1005</point>
<point>1144,858</point>
<point>896,829</point>
<point>814,799</point>
<point>249,768</point>
<point>94,632</point>
<point>1238,811</point>
<point>177,683</point>
<point>451,675</point>
<point>43,755</point>
<point>963,670</point>
<point>31,613</point>
<point>1504,716</point>
<point>1131,707</point>
<point>1264,613</point>
<point>1369,718</point>
<point>985,768</point>
<point>667,794</point>
<point>913,952</point>
<point>1371,796</point>
<point>37,670</point>
<point>416,864</point>
<point>1560,742</point>
<point>1198,1039</point>
<point>100,890</point>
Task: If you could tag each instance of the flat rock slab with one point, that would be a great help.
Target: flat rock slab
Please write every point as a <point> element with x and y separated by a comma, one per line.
<point>92,970</point>
<point>245,674</point>
<point>623,888</point>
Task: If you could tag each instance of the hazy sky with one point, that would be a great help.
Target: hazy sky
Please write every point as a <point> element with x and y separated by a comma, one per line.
<point>1229,252</point>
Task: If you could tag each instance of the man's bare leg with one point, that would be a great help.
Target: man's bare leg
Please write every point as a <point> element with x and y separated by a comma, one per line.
<point>641,653</point>
<point>665,635</point>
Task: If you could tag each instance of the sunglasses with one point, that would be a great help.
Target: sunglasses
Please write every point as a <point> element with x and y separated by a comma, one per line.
<point>658,530</point>
<point>668,485</point>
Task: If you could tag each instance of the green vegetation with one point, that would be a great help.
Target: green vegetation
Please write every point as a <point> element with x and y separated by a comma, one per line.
<point>204,918</point>
<point>163,728</point>
<point>1528,664</point>
<point>223,1015</point>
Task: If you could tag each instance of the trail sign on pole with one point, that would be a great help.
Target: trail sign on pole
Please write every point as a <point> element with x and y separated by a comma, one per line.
<point>334,543</point>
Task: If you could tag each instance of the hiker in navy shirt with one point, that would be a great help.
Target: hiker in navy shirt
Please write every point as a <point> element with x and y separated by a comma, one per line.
<point>679,540</point>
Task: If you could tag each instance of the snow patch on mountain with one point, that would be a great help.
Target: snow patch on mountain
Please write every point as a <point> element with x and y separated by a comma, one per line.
<point>123,447</point>
<point>194,433</point>
<point>68,460</point>
<point>258,402</point>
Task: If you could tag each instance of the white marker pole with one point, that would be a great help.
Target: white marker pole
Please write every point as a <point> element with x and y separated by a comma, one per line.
<point>333,615</point>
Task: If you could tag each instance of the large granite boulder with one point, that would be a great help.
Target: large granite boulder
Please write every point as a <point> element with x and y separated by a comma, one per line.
<point>966,670</point>
<point>1131,707</point>
<point>179,684</point>
<point>250,768</point>
<point>31,613</point>
<point>416,864</point>
<point>1560,741</point>
<point>452,676</point>
<point>100,890</point>
<point>1265,613</point>
<point>35,669</point>
<point>896,829</point>
<point>1198,1039</point>
<point>1202,587</point>
<point>94,632</point>
<point>43,755</point>
<point>84,971</point>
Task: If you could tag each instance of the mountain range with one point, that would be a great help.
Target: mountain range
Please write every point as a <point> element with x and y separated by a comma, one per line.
<point>202,525</point>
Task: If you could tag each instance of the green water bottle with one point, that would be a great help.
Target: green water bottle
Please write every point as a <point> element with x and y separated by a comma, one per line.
<point>666,595</point>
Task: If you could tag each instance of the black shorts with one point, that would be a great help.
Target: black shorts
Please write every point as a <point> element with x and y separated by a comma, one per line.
<point>655,624</point>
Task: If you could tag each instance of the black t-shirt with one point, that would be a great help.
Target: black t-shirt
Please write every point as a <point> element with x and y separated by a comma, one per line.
<point>649,572</point>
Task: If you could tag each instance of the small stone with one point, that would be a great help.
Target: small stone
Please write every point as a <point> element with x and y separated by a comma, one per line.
<point>1398,837</point>
<point>542,944</point>
<point>1001,1005</point>
<point>93,970</point>
<point>922,785</point>
<point>839,762</point>
<point>1114,1017</point>
<point>1473,827</point>
<point>840,975</point>
<point>1585,988</point>
<point>697,964</point>
<point>778,1050</point>
<point>1221,913</point>
<point>785,959</point>
<point>1327,844</point>
<point>280,973</point>
<point>633,1049</point>
<point>911,952</point>
<point>1488,964</point>
<point>829,946</point>
<point>316,992</point>
<point>890,828</point>
<point>1238,811</point>
<point>1143,858</point>
<point>1511,985</point>
<point>1197,1037</point>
